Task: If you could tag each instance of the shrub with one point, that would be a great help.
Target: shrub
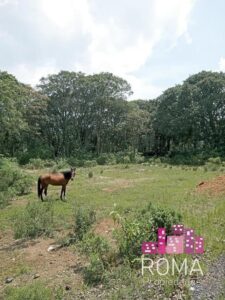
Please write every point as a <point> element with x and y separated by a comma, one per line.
<point>90,174</point>
<point>143,227</point>
<point>73,161</point>
<point>35,163</point>
<point>215,160</point>
<point>139,159</point>
<point>90,163</point>
<point>102,159</point>
<point>94,244</point>
<point>35,220</point>
<point>62,163</point>
<point>84,218</point>
<point>34,291</point>
<point>94,272</point>
<point>13,181</point>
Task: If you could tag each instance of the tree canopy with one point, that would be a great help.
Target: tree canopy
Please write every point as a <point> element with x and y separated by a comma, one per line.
<point>70,113</point>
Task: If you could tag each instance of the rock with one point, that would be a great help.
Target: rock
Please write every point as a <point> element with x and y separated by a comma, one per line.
<point>192,288</point>
<point>9,279</point>
<point>54,247</point>
<point>36,275</point>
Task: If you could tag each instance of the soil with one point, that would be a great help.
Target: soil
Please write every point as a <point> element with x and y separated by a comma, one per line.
<point>25,261</point>
<point>105,228</point>
<point>212,187</point>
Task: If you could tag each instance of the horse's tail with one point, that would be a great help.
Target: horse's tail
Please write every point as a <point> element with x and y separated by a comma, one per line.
<point>39,187</point>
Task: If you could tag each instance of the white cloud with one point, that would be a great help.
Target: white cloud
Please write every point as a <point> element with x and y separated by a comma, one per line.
<point>31,75</point>
<point>97,35</point>
<point>222,64</point>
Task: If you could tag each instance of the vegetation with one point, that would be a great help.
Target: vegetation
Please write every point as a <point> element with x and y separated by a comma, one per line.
<point>142,226</point>
<point>84,218</point>
<point>128,154</point>
<point>110,265</point>
<point>35,291</point>
<point>34,221</point>
<point>14,181</point>
<point>84,117</point>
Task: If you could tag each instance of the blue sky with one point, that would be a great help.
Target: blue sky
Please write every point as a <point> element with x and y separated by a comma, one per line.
<point>153,44</point>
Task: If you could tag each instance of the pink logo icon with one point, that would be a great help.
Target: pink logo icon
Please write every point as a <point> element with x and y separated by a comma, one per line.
<point>183,240</point>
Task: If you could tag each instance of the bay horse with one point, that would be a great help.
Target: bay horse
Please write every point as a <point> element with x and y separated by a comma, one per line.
<point>61,178</point>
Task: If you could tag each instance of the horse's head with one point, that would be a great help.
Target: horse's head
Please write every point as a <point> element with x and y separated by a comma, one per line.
<point>73,173</point>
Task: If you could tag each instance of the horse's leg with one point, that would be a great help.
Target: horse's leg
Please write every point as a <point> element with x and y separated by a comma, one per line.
<point>61,193</point>
<point>42,194</point>
<point>65,192</point>
<point>46,190</point>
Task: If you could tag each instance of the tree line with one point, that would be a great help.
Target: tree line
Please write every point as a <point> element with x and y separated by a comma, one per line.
<point>69,114</point>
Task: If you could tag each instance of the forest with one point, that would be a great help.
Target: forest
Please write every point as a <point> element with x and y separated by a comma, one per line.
<point>75,115</point>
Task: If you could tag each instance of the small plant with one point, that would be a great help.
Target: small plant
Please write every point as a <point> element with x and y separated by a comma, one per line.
<point>94,272</point>
<point>84,218</point>
<point>90,174</point>
<point>34,221</point>
<point>92,243</point>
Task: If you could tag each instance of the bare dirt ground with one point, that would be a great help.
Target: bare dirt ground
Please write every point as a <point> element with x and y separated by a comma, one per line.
<point>25,261</point>
<point>105,228</point>
<point>213,187</point>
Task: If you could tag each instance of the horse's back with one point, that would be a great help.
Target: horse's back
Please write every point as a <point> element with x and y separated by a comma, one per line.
<point>53,179</point>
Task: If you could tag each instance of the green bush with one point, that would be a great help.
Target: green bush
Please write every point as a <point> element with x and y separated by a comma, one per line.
<point>36,291</point>
<point>92,243</point>
<point>90,163</point>
<point>102,159</point>
<point>94,272</point>
<point>75,162</point>
<point>90,174</point>
<point>35,220</point>
<point>36,163</point>
<point>215,160</point>
<point>13,181</point>
<point>143,226</point>
<point>84,218</point>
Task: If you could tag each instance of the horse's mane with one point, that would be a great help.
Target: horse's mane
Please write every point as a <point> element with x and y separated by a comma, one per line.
<point>67,174</point>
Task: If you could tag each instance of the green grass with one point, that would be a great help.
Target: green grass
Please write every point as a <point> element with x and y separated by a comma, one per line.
<point>134,187</point>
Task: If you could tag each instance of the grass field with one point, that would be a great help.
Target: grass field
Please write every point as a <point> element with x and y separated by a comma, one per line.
<point>127,187</point>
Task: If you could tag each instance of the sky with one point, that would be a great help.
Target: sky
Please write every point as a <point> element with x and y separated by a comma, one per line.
<point>153,44</point>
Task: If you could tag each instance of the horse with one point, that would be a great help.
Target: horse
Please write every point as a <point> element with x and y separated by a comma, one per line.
<point>61,178</point>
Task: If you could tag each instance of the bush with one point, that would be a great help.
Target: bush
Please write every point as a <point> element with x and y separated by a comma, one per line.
<point>35,220</point>
<point>13,181</point>
<point>95,244</point>
<point>72,161</point>
<point>35,163</point>
<point>102,159</point>
<point>215,160</point>
<point>84,218</point>
<point>94,272</point>
<point>34,291</point>
<point>142,227</point>
<point>90,163</point>
<point>213,163</point>
<point>90,174</point>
